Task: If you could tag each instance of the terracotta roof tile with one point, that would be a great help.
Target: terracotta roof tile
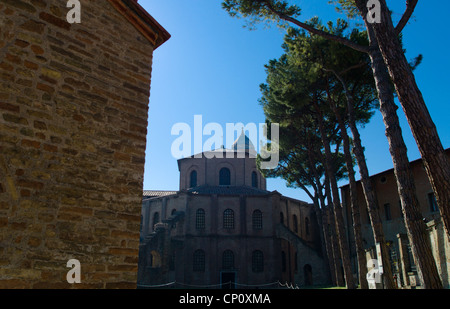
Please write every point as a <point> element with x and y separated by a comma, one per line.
<point>155,193</point>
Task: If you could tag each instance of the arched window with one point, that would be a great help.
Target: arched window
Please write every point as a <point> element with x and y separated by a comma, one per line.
<point>198,260</point>
<point>155,219</point>
<point>281,218</point>
<point>254,180</point>
<point>257,261</point>
<point>200,219</point>
<point>155,259</point>
<point>295,223</point>
<point>224,177</point>
<point>307,226</point>
<point>228,219</point>
<point>228,259</point>
<point>172,213</point>
<point>193,179</point>
<point>257,220</point>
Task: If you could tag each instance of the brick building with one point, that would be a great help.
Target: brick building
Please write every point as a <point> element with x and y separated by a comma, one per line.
<point>385,187</point>
<point>223,228</point>
<point>73,123</point>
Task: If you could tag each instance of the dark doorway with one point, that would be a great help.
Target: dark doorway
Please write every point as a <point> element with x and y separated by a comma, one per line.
<point>308,275</point>
<point>228,280</point>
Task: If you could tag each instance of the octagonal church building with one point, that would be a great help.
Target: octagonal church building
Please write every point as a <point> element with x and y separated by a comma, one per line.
<point>224,229</point>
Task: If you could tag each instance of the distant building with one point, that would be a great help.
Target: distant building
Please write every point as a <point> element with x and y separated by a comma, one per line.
<point>223,228</point>
<point>385,187</point>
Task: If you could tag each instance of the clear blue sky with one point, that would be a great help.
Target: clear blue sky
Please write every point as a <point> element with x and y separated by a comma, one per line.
<point>213,67</point>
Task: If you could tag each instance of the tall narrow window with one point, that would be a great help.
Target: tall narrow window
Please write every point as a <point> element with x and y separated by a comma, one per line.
<point>387,211</point>
<point>155,219</point>
<point>307,226</point>
<point>432,202</point>
<point>224,177</point>
<point>254,180</point>
<point>257,220</point>
<point>283,261</point>
<point>296,262</point>
<point>228,259</point>
<point>172,260</point>
<point>257,261</point>
<point>281,218</point>
<point>193,179</point>
<point>199,260</point>
<point>172,213</point>
<point>228,219</point>
<point>200,219</point>
<point>295,223</point>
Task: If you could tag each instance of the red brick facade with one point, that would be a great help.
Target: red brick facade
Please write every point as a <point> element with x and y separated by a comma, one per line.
<point>73,124</point>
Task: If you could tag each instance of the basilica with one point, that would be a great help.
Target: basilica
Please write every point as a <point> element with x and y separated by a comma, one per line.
<point>224,229</point>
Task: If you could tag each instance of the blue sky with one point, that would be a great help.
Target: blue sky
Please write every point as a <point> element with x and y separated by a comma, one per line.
<point>213,67</point>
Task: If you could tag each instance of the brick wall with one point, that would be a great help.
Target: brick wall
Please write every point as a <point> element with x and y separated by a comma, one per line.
<point>73,124</point>
<point>385,187</point>
<point>386,191</point>
<point>208,170</point>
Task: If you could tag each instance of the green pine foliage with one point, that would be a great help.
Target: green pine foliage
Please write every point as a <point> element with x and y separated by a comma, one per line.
<point>303,75</point>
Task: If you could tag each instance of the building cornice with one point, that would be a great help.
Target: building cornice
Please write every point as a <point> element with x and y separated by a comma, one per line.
<point>142,21</point>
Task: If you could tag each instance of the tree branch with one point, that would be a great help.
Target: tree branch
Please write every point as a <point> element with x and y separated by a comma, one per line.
<point>410,7</point>
<point>356,66</point>
<point>312,30</point>
<point>304,188</point>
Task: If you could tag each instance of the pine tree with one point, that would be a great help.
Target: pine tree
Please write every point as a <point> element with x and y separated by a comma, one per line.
<point>292,82</point>
<point>387,60</point>
<point>423,129</point>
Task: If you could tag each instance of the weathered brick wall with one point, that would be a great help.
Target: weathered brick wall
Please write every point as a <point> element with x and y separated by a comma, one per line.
<point>73,124</point>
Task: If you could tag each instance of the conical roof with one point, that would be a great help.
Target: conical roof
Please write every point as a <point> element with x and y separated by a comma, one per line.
<point>243,143</point>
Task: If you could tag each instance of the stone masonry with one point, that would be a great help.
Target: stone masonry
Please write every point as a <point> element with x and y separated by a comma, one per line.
<point>73,125</point>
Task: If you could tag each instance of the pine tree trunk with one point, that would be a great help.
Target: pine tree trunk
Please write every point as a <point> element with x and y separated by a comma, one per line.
<point>416,229</point>
<point>333,235</point>
<point>322,217</point>
<point>369,193</point>
<point>356,216</point>
<point>373,209</point>
<point>423,129</point>
<point>340,227</point>
<point>415,226</point>
<point>329,246</point>
<point>318,213</point>
<point>320,222</point>
<point>337,261</point>
<point>341,235</point>
<point>326,252</point>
